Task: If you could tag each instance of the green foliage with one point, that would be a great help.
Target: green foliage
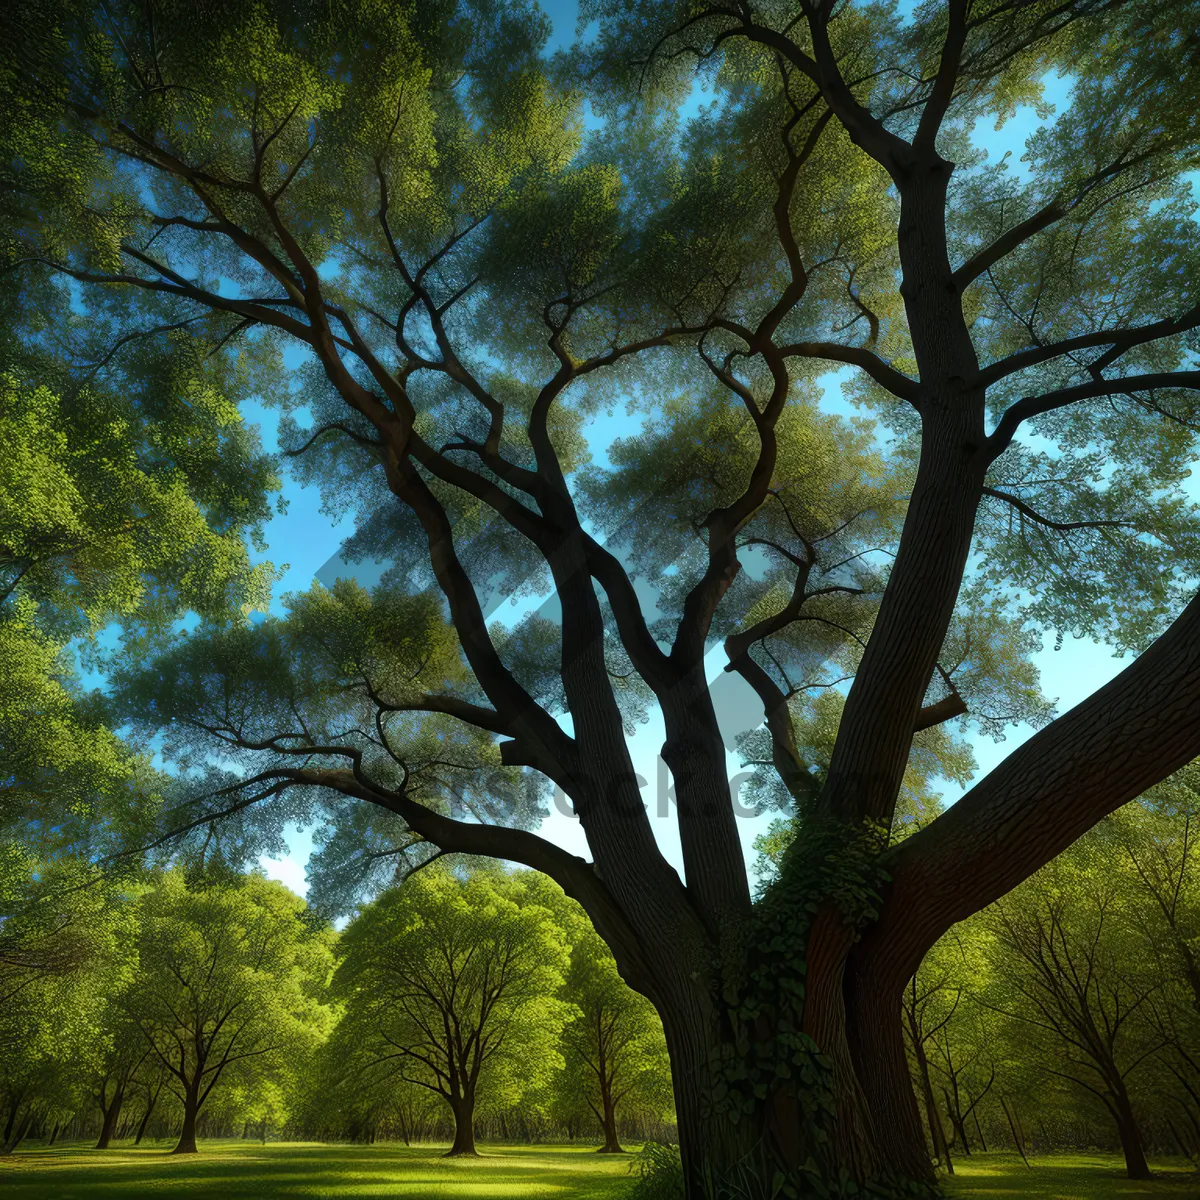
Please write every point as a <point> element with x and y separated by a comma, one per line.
<point>230,979</point>
<point>128,490</point>
<point>452,984</point>
<point>66,952</point>
<point>407,193</point>
<point>613,1046</point>
<point>250,707</point>
<point>659,1172</point>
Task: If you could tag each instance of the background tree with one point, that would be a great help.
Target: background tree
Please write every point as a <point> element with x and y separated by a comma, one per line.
<point>453,982</point>
<point>1081,989</point>
<point>229,975</point>
<point>65,939</point>
<point>115,1078</point>
<point>412,202</point>
<point>614,1046</point>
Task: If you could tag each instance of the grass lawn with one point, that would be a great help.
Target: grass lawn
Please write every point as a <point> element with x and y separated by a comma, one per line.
<point>306,1171</point>
<point>311,1171</point>
<point>1066,1177</point>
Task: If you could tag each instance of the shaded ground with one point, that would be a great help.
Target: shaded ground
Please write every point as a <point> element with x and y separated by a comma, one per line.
<point>303,1171</point>
<point>1066,1177</point>
<point>309,1171</point>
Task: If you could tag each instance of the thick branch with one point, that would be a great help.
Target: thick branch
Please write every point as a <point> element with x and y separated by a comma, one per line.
<point>896,382</point>
<point>1118,341</point>
<point>1034,406</point>
<point>1130,735</point>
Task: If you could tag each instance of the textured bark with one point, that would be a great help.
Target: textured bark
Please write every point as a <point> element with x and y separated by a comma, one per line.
<point>708,1145</point>
<point>1129,735</point>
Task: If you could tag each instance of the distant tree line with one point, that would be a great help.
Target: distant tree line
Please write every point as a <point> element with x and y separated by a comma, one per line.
<point>480,1003</point>
<point>460,1004</point>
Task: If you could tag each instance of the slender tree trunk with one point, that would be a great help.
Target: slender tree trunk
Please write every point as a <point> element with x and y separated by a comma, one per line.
<point>1129,1133</point>
<point>54,1133</point>
<point>151,1102</point>
<point>1018,1140</point>
<point>11,1143</point>
<point>463,1107</point>
<point>111,1114</point>
<point>11,1123</point>
<point>959,1122</point>
<point>979,1131</point>
<point>937,1133</point>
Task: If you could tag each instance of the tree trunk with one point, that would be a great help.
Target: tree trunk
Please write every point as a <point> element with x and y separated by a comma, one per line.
<point>979,1130</point>
<point>1131,1136</point>
<point>959,1122</point>
<point>151,1102</point>
<point>612,1144</point>
<point>187,1134</point>
<point>111,1115</point>
<point>463,1108</point>
<point>54,1133</point>
<point>11,1123</point>
<point>855,1023</point>
<point>11,1144</point>
<point>937,1133</point>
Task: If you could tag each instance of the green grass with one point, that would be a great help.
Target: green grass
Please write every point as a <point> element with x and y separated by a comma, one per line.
<point>307,1171</point>
<point>1066,1177</point>
<point>304,1171</point>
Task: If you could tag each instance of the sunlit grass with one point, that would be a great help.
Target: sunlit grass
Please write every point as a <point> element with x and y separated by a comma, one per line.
<point>1066,1177</point>
<point>302,1171</point>
<point>310,1171</point>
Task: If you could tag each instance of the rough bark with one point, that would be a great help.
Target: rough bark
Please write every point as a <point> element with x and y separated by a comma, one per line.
<point>708,1145</point>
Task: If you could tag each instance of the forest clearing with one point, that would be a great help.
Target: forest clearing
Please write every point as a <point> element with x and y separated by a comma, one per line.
<point>308,1171</point>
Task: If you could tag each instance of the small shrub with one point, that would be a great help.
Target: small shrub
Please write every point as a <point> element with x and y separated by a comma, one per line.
<point>659,1171</point>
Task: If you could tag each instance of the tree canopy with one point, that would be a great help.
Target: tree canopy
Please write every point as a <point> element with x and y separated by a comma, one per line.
<point>471,267</point>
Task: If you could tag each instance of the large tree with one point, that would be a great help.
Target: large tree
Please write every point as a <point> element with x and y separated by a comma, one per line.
<point>451,985</point>
<point>228,981</point>
<point>405,193</point>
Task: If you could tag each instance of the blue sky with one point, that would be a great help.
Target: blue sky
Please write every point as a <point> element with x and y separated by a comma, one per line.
<point>306,538</point>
